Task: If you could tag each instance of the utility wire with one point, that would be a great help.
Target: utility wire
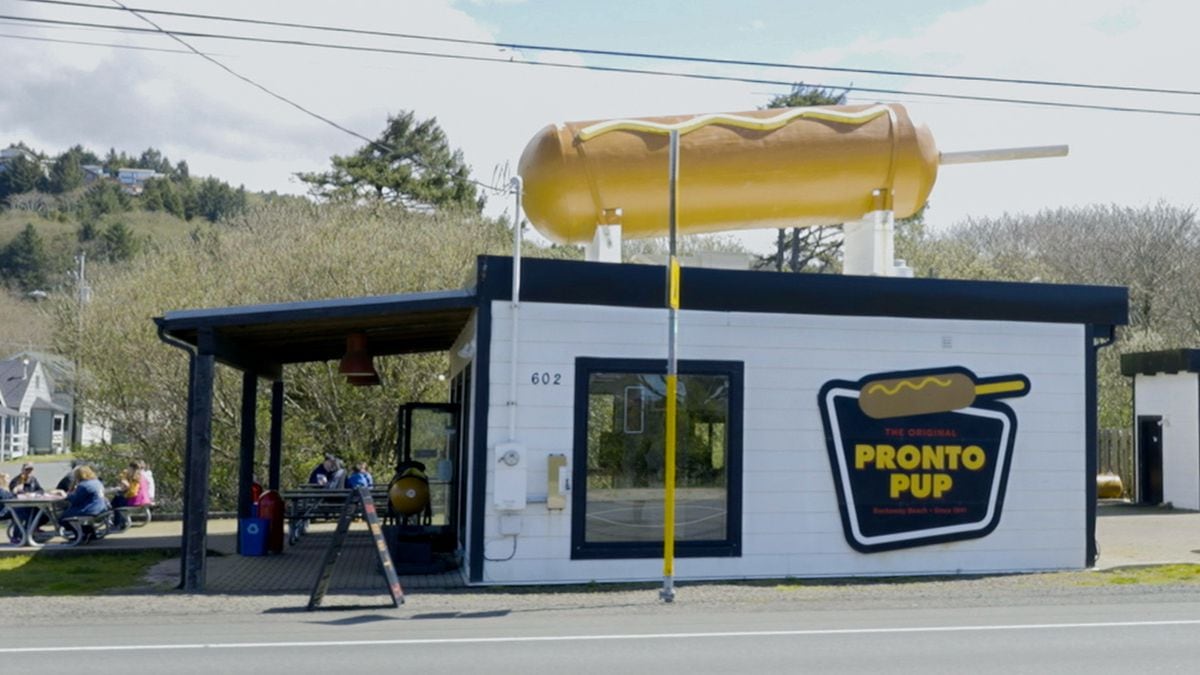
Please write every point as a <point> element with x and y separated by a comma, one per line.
<point>644,55</point>
<point>115,45</point>
<point>94,44</point>
<point>605,69</point>
<point>279,97</point>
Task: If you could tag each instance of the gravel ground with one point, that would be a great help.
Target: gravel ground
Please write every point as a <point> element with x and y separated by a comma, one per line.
<point>1129,536</point>
<point>1075,588</point>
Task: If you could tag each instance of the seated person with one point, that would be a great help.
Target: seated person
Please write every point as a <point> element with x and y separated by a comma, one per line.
<point>25,483</point>
<point>5,493</point>
<point>147,482</point>
<point>87,499</point>
<point>327,473</point>
<point>132,491</point>
<point>68,481</point>
<point>360,477</point>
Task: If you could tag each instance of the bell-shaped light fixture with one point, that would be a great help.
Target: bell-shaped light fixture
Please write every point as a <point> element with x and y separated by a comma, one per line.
<point>357,360</point>
<point>364,380</point>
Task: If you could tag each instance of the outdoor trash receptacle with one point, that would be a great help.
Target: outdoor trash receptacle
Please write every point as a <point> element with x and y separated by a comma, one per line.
<point>252,534</point>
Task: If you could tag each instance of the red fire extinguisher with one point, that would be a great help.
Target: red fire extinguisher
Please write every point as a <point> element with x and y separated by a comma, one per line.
<point>271,507</point>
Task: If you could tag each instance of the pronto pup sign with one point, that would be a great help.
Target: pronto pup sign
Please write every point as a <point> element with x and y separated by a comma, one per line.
<point>919,457</point>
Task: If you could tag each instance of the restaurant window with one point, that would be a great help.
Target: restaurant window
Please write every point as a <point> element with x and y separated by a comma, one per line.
<point>620,434</point>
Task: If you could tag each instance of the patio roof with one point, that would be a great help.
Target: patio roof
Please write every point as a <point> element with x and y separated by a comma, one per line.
<point>261,338</point>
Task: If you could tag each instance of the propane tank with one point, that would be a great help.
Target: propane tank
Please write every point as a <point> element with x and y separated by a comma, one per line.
<point>787,167</point>
<point>409,492</point>
<point>1109,486</point>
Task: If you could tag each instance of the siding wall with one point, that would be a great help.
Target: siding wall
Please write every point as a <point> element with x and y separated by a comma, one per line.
<point>1176,398</point>
<point>791,524</point>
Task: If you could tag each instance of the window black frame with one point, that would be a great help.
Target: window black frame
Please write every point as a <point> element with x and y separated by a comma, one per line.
<point>729,547</point>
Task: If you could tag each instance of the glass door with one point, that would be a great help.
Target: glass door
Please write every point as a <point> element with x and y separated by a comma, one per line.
<point>429,435</point>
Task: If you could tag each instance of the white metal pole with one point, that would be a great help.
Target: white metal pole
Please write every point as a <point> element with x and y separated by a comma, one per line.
<point>517,185</point>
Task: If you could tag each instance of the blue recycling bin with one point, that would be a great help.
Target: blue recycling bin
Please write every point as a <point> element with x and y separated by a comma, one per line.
<point>252,536</point>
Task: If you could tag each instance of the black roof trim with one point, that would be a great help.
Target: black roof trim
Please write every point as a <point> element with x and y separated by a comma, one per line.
<point>260,338</point>
<point>565,281</point>
<point>1169,361</point>
<point>333,308</point>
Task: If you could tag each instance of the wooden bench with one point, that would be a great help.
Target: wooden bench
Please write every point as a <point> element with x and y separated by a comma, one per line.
<point>81,529</point>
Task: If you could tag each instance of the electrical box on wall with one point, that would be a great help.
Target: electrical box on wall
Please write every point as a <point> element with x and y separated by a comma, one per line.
<point>557,482</point>
<point>508,494</point>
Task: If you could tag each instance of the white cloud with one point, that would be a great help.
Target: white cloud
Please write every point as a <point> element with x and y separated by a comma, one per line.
<point>1124,158</point>
<point>58,95</point>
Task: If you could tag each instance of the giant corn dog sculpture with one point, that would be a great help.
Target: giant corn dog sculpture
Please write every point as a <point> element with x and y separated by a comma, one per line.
<point>784,167</point>
<point>789,167</point>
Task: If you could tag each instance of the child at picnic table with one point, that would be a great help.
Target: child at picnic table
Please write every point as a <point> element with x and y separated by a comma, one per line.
<point>131,491</point>
<point>360,477</point>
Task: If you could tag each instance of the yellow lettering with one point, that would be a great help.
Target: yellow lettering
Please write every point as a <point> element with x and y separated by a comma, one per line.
<point>941,484</point>
<point>921,485</point>
<point>973,457</point>
<point>899,485</point>
<point>932,457</point>
<point>863,454</point>
<point>908,457</point>
<point>885,456</point>
<point>952,452</point>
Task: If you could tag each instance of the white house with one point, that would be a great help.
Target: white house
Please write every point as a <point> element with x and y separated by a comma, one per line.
<point>133,181</point>
<point>30,421</point>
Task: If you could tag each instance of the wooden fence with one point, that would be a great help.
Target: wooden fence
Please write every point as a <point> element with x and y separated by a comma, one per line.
<point>1115,451</point>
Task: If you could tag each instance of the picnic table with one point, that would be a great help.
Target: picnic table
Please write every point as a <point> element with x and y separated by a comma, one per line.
<point>313,502</point>
<point>26,510</point>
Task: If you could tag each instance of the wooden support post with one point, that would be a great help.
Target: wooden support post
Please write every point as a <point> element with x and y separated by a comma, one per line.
<point>245,501</point>
<point>276,457</point>
<point>196,470</point>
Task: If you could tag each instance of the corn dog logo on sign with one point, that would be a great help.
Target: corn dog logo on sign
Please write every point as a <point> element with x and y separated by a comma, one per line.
<point>920,457</point>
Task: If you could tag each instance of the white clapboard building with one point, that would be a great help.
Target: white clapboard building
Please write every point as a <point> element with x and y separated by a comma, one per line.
<point>827,425</point>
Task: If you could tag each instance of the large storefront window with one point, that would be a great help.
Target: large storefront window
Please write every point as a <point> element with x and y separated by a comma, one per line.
<point>620,440</point>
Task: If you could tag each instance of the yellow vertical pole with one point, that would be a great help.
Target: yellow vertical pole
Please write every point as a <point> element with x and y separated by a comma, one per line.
<point>668,589</point>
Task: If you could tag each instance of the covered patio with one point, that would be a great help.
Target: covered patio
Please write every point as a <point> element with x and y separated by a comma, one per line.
<point>258,341</point>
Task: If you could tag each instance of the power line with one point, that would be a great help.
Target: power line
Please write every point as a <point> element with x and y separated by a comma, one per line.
<point>646,55</point>
<point>115,45</point>
<point>617,69</point>
<point>93,44</point>
<point>279,97</point>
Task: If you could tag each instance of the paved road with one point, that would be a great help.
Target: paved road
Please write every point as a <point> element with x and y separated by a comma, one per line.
<point>1093,635</point>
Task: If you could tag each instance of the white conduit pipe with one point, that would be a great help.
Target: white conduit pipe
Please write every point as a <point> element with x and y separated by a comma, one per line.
<point>517,185</point>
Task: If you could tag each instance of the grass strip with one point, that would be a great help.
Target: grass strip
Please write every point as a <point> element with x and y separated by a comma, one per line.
<point>88,573</point>
<point>1183,573</point>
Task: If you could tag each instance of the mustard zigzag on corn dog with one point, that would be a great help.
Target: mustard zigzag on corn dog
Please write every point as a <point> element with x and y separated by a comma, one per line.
<point>878,386</point>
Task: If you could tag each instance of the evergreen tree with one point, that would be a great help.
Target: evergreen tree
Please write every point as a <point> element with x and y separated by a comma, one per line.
<point>101,199</point>
<point>24,261</point>
<point>117,243</point>
<point>66,174</point>
<point>412,164</point>
<point>20,174</point>
<point>216,199</point>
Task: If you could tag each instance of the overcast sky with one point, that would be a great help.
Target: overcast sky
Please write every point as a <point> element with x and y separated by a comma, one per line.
<point>54,95</point>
